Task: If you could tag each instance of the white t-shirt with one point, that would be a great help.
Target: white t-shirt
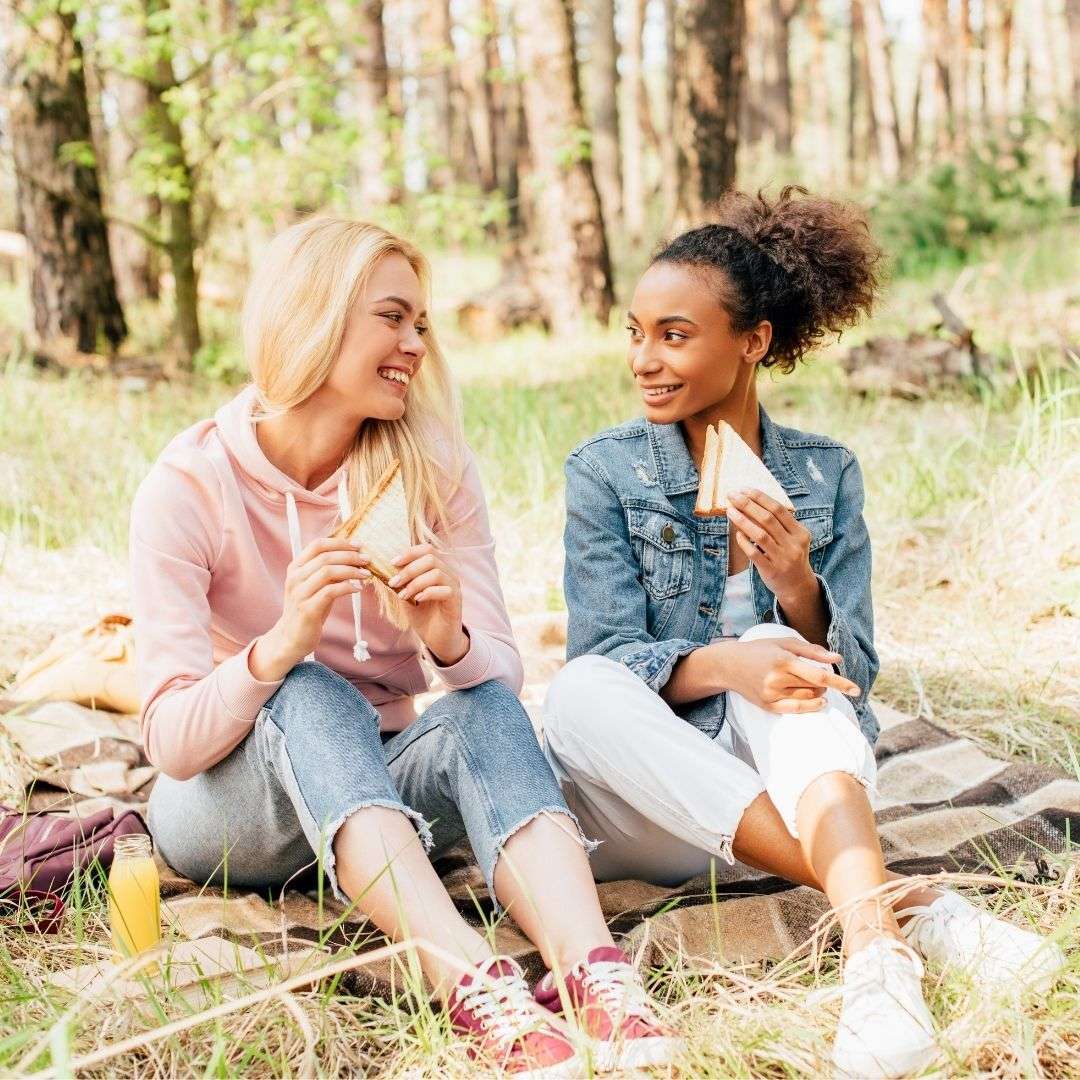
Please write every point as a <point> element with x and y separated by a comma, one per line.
<point>737,613</point>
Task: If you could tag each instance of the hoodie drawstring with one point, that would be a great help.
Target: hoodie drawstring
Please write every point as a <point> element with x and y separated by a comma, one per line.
<point>360,649</point>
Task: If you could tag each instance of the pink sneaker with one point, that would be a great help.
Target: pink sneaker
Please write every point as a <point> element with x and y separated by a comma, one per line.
<point>506,1027</point>
<point>611,1007</point>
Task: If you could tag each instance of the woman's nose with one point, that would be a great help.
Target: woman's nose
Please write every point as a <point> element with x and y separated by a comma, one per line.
<point>413,345</point>
<point>642,361</point>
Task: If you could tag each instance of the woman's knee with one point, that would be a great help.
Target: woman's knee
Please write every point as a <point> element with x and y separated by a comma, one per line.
<point>582,698</point>
<point>313,700</point>
<point>770,630</point>
<point>488,715</point>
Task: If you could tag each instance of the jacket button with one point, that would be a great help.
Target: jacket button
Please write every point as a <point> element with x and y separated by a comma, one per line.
<point>667,534</point>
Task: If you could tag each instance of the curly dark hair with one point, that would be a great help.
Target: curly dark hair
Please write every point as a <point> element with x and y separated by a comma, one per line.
<point>805,263</point>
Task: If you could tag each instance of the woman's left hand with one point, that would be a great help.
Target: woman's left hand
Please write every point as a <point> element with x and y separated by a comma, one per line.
<point>435,591</point>
<point>774,541</point>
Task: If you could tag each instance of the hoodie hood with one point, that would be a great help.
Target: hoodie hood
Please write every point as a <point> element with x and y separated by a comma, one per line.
<point>237,430</point>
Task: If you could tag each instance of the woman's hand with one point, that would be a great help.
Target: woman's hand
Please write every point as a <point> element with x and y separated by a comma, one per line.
<point>326,569</point>
<point>774,541</point>
<point>776,673</point>
<point>435,613</point>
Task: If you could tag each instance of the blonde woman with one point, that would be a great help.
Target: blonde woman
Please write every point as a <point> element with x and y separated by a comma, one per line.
<point>280,709</point>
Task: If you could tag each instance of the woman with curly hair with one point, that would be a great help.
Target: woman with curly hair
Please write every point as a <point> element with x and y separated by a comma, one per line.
<point>716,702</point>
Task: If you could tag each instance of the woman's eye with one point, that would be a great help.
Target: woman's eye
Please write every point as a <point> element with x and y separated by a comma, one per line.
<point>634,331</point>
<point>673,335</point>
<point>422,330</point>
<point>395,315</point>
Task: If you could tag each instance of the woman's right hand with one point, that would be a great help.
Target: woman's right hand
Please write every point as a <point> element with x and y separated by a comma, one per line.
<point>325,570</point>
<point>776,674</point>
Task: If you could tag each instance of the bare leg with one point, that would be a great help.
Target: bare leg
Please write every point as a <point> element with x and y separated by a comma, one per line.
<point>763,841</point>
<point>382,865</point>
<point>559,912</point>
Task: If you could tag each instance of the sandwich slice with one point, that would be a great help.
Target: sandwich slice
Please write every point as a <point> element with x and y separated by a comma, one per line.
<point>380,524</point>
<point>730,465</point>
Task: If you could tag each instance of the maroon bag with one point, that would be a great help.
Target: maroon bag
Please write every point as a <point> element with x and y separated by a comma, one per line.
<point>39,854</point>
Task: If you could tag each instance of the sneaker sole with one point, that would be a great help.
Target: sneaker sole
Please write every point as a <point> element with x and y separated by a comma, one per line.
<point>635,1053</point>
<point>866,1066</point>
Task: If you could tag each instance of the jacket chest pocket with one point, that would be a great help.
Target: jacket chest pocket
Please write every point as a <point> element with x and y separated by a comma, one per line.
<point>819,521</point>
<point>664,550</point>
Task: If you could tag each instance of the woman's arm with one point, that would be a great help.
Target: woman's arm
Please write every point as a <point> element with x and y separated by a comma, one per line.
<point>193,713</point>
<point>470,552</point>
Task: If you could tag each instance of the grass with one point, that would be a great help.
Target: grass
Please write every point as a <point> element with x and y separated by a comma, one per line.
<point>971,506</point>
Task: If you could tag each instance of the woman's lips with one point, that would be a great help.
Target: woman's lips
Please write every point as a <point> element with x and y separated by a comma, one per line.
<point>661,394</point>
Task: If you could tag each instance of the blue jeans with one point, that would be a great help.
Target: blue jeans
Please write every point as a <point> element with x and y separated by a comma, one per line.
<point>470,765</point>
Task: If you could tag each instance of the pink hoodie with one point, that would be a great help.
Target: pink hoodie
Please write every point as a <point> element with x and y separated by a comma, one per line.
<point>209,546</point>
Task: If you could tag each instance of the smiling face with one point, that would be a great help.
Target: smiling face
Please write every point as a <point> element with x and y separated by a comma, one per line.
<point>684,354</point>
<point>383,346</point>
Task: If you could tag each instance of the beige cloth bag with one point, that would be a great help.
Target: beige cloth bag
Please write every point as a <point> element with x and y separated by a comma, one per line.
<point>94,666</point>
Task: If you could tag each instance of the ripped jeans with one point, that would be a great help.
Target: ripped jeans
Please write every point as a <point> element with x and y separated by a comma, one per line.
<point>470,765</point>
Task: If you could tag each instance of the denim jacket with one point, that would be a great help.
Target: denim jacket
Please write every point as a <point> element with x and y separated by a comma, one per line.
<point>645,578</point>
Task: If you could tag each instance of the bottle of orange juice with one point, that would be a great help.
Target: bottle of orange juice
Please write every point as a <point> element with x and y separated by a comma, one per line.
<point>134,898</point>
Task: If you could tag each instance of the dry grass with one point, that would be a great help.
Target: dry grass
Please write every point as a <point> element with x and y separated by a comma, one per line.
<point>971,503</point>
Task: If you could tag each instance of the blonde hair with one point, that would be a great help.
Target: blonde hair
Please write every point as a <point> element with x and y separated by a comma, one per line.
<point>294,319</point>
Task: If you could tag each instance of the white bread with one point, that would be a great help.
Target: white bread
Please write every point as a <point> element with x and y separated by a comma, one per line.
<point>730,465</point>
<point>380,524</point>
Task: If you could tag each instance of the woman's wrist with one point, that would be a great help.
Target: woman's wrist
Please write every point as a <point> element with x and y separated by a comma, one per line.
<point>451,652</point>
<point>270,660</point>
<point>799,592</point>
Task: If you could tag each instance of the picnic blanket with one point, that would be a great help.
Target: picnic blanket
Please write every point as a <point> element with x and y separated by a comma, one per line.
<point>945,804</point>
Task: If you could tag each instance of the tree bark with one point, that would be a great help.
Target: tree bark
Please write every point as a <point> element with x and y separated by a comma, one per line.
<point>570,265</point>
<point>997,33</point>
<point>1072,15</point>
<point>939,84</point>
<point>603,100</point>
<point>378,182</point>
<point>437,95</point>
<point>776,67</point>
<point>882,91</point>
<point>818,134</point>
<point>634,188</point>
<point>72,285</point>
<point>962,87</point>
<point>709,89</point>
<point>669,151</point>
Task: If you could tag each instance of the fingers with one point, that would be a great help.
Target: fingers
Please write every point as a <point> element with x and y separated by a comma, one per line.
<point>824,677</point>
<point>329,593</point>
<point>433,578</point>
<point>809,650</point>
<point>755,554</point>
<point>330,574</point>
<point>796,705</point>
<point>754,517</point>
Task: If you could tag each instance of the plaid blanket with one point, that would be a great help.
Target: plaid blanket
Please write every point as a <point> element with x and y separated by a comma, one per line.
<point>945,804</point>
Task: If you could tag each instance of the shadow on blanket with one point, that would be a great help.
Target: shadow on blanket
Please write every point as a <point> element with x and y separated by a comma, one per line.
<point>945,805</point>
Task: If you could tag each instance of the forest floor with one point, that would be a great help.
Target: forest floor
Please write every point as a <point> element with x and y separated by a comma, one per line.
<point>971,504</point>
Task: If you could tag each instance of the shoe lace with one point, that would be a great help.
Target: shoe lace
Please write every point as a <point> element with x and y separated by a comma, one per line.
<point>889,960</point>
<point>930,930</point>
<point>619,988</point>
<point>503,1005</point>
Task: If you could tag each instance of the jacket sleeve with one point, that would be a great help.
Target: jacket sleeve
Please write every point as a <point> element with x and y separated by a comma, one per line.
<point>193,713</point>
<point>844,574</point>
<point>604,595</point>
<point>493,653</point>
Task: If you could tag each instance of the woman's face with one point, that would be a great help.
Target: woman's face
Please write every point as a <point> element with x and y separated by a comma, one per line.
<point>684,355</point>
<point>383,345</point>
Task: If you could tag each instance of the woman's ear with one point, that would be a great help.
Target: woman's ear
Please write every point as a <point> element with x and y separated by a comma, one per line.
<point>758,340</point>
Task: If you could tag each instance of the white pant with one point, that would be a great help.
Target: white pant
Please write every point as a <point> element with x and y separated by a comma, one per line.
<point>663,797</point>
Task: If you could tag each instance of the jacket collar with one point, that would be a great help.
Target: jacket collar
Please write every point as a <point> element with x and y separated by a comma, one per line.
<point>677,473</point>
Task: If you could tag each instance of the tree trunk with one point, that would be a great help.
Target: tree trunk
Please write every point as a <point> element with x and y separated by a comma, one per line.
<point>962,87</point>
<point>603,99</point>
<point>669,151</point>
<point>882,92</point>
<point>135,260</point>
<point>1072,15</point>
<point>436,89</point>
<point>776,69</point>
<point>181,241</point>
<point>818,136</point>
<point>997,20</point>
<point>72,287</point>
<point>571,269</point>
<point>710,85</point>
<point>634,188</point>
<point>378,181</point>
<point>939,84</point>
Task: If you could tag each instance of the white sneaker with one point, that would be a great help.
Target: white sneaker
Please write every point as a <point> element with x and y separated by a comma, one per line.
<point>998,954</point>
<point>885,1028</point>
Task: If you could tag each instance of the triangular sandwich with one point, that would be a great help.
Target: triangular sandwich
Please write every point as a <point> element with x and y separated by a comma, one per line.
<point>380,524</point>
<point>729,465</point>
